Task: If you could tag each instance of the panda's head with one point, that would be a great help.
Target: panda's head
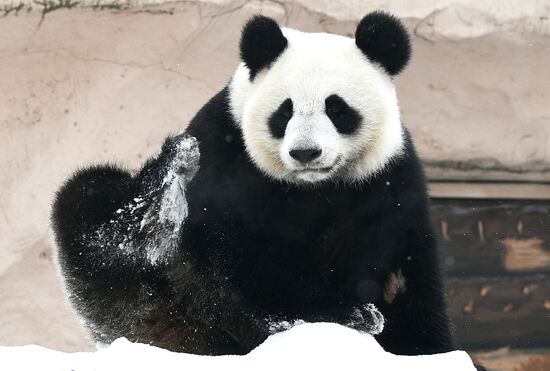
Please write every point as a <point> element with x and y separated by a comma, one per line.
<point>317,107</point>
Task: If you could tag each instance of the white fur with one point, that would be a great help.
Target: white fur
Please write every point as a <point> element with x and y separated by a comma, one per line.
<point>311,68</point>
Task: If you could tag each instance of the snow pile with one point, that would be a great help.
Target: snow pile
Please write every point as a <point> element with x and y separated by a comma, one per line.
<point>310,346</point>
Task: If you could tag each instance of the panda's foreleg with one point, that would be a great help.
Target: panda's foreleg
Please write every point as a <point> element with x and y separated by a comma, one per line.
<point>154,217</point>
<point>416,314</point>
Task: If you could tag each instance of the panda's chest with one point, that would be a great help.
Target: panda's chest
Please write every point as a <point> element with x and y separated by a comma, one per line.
<point>300,255</point>
<point>289,227</point>
<point>277,244</point>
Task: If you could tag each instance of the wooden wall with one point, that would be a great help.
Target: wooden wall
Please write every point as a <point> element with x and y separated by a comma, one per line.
<point>496,254</point>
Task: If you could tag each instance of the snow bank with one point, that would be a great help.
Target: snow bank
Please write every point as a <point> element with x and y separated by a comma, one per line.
<point>311,346</point>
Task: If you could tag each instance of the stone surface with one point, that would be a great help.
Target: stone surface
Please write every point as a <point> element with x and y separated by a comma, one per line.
<point>85,85</point>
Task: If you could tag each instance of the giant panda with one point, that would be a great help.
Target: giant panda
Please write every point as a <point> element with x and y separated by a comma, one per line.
<point>295,194</point>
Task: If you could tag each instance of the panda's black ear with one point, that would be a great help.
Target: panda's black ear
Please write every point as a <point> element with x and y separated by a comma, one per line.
<point>262,41</point>
<point>384,39</point>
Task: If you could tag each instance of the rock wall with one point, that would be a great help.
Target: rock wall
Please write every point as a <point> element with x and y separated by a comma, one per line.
<point>98,81</point>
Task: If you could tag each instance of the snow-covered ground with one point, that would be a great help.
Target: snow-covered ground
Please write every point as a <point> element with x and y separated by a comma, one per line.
<point>309,346</point>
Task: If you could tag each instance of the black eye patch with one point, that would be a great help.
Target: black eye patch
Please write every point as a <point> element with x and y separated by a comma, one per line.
<point>280,118</point>
<point>345,119</point>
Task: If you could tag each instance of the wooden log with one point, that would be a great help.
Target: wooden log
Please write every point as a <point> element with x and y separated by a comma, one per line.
<point>493,237</point>
<point>490,312</point>
<point>506,359</point>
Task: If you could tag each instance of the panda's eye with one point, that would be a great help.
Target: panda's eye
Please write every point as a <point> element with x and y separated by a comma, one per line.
<point>345,118</point>
<point>287,109</point>
<point>280,118</point>
<point>334,105</point>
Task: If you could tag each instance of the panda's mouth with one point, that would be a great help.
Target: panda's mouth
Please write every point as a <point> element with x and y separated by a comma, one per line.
<point>315,170</point>
<point>310,173</point>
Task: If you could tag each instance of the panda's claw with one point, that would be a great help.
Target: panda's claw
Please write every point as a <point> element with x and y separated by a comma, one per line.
<point>367,318</point>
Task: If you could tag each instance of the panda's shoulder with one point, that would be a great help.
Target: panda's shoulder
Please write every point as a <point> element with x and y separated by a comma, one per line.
<point>406,178</point>
<point>211,115</point>
<point>215,129</point>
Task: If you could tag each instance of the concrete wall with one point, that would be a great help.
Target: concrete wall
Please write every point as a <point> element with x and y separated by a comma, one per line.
<point>102,82</point>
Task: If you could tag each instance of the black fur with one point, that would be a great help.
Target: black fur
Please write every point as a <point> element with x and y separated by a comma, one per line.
<point>279,119</point>
<point>261,43</point>
<point>345,119</point>
<point>384,39</point>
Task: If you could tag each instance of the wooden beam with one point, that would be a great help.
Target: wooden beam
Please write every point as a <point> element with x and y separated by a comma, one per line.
<point>500,311</point>
<point>506,359</point>
<point>493,237</point>
<point>490,190</point>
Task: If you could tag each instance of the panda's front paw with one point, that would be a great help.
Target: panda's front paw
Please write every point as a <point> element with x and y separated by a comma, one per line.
<point>366,318</point>
<point>184,154</point>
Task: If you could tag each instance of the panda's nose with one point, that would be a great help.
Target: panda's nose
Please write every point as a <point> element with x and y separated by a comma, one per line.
<point>305,155</point>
